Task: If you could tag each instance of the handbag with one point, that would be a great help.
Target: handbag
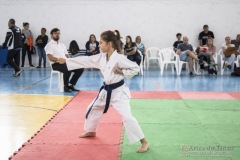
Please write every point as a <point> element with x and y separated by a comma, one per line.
<point>34,50</point>
<point>229,51</point>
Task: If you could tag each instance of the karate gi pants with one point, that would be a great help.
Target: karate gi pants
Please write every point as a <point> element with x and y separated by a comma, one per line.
<point>120,102</point>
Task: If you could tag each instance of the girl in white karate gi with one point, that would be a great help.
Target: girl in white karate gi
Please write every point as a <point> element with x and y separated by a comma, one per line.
<point>114,67</point>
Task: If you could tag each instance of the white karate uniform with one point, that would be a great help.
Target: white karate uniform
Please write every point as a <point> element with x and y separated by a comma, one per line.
<point>120,96</point>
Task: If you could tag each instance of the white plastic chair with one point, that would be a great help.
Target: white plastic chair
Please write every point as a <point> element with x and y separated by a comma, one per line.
<point>220,54</point>
<point>141,64</point>
<point>167,56</point>
<point>180,64</point>
<point>60,79</point>
<point>187,64</point>
<point>222,59</point>
<point>215,58</point>
<point>152,53</point>
<point>237,61</point>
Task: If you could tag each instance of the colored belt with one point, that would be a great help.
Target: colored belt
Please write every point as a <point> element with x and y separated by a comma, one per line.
<point>109,89</point>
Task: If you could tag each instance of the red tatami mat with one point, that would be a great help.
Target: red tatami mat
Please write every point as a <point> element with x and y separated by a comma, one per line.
<point>206,95</point>
<point>185,95</point>
<point>68,133</point>
<point>235,95</point>
<point>82,99</point>
<point>67,152</point>
<point>155,95</point>
<point>59,138</point>
<point>73,115</point>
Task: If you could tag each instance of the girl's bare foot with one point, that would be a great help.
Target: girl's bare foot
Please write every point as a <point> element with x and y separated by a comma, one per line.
<point>88,134</point>
<point>144,147</point>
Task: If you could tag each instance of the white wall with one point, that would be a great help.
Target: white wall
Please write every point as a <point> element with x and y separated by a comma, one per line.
<point>157,21</point>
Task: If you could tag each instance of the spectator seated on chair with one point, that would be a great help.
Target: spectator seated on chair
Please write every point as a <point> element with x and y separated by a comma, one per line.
<point>176,43</point>
<point>140,46</point>
<point>131,52</point>
<point>205,55</point>
<point>56,50</point>
<point>187,54</point>
<point>229,53</point>
<point>92,45</point>
<point>74,49</point>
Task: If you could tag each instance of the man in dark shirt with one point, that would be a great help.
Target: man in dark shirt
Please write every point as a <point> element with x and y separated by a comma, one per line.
<point>204,35</point>
<point>13,42</point>
<point>179,41</point>
<point>236,42</point>
<point>41,42</point>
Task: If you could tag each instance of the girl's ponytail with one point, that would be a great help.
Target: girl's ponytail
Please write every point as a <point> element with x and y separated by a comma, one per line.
<point>118,43</point>
<point>117,33</point>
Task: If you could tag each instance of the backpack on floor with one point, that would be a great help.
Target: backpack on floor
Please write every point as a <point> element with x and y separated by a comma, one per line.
<point>212,70</point>
<point>203,57</point>
<point>236,72</point>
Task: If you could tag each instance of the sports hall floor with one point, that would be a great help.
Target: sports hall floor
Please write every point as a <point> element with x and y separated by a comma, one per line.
<point>182,117</point>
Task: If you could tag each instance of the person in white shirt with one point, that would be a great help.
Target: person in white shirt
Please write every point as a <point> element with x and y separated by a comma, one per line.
<point>229,61</point>
<point>92,45</point>
<point>114,92</point>
<point>56,50</point>
<point>140,46</point>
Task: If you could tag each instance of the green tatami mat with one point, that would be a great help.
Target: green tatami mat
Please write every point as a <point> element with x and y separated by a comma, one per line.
<point>158,104</point>
<point>225,134</point>
<point>233,105</point>
<point>165,116</point>
<point>185,104</point>
<point>209,128</point>
<point>176,153</point>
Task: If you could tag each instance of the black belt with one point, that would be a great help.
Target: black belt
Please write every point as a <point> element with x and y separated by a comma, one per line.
<point>109,89</point>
